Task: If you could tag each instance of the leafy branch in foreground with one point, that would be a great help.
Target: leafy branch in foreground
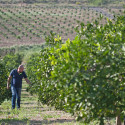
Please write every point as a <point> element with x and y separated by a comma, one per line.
<point>85,76</point>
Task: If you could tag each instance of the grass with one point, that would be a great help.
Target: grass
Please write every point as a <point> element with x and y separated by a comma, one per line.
<point>32,112</point>
<point>46,116</point>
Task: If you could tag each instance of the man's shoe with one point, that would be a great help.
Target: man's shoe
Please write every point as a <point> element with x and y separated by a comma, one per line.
<point>18,108</point>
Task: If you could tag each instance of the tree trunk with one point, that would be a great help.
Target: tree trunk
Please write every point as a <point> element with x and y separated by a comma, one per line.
<point>118,120</point>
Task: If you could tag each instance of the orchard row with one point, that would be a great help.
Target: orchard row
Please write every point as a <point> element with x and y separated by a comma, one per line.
<point>84,76</point>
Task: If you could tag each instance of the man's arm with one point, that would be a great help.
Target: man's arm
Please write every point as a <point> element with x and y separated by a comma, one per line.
<point>8,81</point>
<point>27,81</point>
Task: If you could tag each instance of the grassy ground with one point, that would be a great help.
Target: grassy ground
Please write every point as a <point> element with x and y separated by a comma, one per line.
<point>33,113</point>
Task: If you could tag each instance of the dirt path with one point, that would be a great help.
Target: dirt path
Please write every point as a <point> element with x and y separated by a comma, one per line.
<point>32,113</point>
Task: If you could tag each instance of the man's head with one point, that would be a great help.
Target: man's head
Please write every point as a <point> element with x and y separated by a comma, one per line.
<point>20,68</point>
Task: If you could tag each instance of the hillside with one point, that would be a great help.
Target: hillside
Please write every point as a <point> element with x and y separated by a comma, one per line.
<point>30,24</point>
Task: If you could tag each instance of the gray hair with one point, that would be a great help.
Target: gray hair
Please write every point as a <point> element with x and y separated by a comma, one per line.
<point>21,66</point>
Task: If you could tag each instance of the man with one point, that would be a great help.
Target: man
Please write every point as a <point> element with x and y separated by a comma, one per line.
<point>16,77</point>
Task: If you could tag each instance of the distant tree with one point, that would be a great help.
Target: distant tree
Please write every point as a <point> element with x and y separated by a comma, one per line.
<point>100,2</point>
<point>28,1</point>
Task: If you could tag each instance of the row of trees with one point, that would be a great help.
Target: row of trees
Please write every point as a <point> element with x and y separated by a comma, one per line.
<point>85,76</point>
<point>104,2</point>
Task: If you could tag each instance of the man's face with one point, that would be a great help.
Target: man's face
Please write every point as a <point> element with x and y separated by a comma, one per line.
<point>20,70</point>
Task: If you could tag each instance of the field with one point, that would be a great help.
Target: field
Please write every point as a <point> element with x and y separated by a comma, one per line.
<point>27,24</point>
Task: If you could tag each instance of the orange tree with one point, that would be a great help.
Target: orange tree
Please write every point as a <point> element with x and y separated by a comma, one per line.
<point>3,81</point>
<point>85,76</point>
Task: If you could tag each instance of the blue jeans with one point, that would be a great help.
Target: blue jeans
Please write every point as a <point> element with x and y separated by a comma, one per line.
<point>16,94</point>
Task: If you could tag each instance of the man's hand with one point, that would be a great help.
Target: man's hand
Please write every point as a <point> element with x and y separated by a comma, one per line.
<point>8,86</point>
<point>27,81</point>
<point>8,81</point>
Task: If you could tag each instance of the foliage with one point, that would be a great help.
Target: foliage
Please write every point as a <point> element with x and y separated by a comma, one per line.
<point>8,63</point>
<point>37,65</point>
<point>3,80</point>
<point>12,61</point>
<point>85,76</point>
<point>103,2</point>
